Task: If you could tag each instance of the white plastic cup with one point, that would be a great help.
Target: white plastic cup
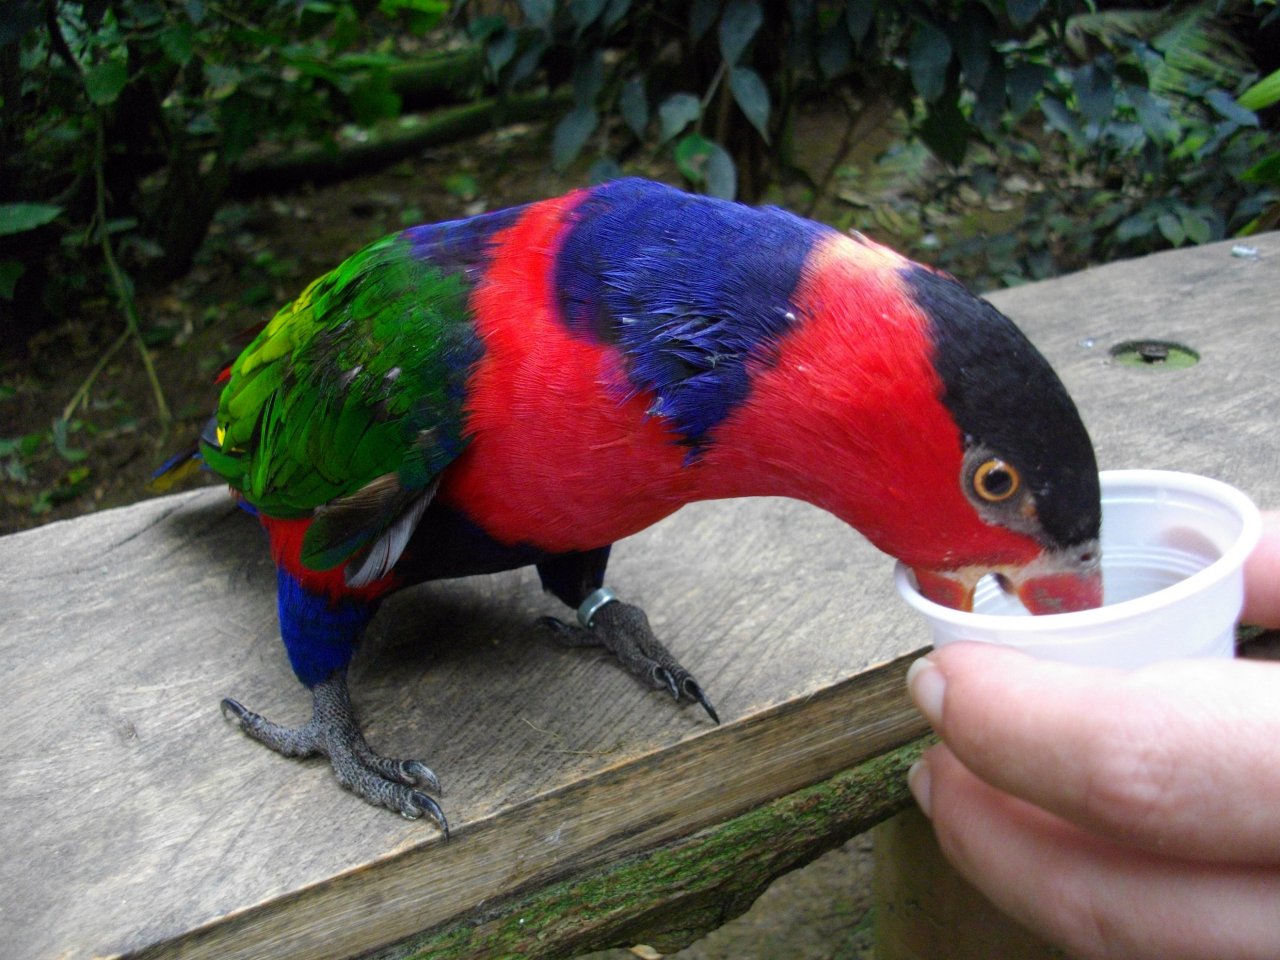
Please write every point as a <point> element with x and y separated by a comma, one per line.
<point>1173,552</point>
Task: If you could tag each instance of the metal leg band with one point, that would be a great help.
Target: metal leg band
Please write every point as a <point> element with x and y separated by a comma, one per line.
<point>591,606</point>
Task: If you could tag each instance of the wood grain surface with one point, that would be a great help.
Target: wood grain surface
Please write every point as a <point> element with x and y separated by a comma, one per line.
<point>138,822</point>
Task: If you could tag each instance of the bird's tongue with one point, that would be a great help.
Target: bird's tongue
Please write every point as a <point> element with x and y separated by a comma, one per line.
<point>1061,592</point>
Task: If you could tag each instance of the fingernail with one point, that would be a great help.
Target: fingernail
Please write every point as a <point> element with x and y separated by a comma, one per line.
<point>927,685</point>
<point>918,783</point>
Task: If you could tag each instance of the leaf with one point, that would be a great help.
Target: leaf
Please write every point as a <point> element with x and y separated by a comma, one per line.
<point>707,164</point>
<point>1194,52</point>
<point>928,57</point>
<point>633,103</point>
<point>738,24</point>
<point>527,62</point>
<point>1094,93</point>
<point>500,50</point>
<point>858,17</point>
<point>835,52</point>
<point>104,81</point>
<point>1196,227</point>
<point>11,272</point>
<point>426,14</point>
<point>372,99</point>
<point>60,443</point>
<point>604,170</point>
<point>1171,226</point>
<point>571,135</point>
<point>1262,94</point>
<point>1229,109</point>
<point>677,112</point>
<point>722,178</point>
<point>17,20</point>
<point>973,45</point>
<point>692,153</point>
<point>1025,82</point>
<point>588,78</point>
<point>586,12</point>
<point>702,14</point>
<point>944,130</point>
<point>177,42</point>
<point>989,107</point>
<point>481,28</point>
<point>752,97</point>
<point>538,12</point>
<point>1022,12</point>
<point>464,186</point>
<point>615,11</point>
<point>1061,120</point>
<point>1266,170</point>
<point>1153,114</point>
<point>20,217</point>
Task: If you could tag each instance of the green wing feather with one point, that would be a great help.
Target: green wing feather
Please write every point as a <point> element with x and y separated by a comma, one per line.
<point>349,403</point>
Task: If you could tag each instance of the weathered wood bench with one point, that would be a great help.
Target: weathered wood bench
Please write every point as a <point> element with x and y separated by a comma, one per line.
<point>586,810</point>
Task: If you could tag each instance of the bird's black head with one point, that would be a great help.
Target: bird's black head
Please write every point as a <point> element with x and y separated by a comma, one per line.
<point>1011,407</point>
<point>1028,464</point>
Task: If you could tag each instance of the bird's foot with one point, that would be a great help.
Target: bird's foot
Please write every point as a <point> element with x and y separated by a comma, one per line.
<point>624,630</point>
<point>332,731</point>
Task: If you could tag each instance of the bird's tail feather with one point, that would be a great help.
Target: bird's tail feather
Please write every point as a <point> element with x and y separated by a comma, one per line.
<point>185,463</point>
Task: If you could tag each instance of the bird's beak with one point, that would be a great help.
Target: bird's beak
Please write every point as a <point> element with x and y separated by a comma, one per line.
<point>1057,581</point>
<point>948,588</point>
<point>1061,592</point>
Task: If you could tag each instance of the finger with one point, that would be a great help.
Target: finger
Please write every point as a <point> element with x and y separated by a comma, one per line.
<point>1262,577</point>
<point>1181,757</point>
<point>1095,898</point>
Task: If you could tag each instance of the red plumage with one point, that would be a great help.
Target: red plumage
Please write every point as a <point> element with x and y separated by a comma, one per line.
<point>530,386</point>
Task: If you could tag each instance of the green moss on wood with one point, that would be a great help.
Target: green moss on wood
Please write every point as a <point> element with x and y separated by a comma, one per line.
<point>674,894</point>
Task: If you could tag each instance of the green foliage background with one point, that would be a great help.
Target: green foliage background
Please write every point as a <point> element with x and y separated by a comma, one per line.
<point>1145,118</point>
<point>124,124</point>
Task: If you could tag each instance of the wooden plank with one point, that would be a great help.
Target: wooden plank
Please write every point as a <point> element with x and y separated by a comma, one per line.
<point>126,773</point>
<point>137,822</point>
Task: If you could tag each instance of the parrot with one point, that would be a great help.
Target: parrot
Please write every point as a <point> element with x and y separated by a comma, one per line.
<point>530,385</point>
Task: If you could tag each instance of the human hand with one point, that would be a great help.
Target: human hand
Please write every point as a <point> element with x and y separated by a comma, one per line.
<point>1117,814</point>
<point>1262,577</point>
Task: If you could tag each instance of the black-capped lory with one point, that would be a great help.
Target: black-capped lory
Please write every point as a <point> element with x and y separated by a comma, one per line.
<point>529,386</point>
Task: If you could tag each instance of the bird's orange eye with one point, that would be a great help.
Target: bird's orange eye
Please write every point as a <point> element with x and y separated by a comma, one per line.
<point>995,481</point>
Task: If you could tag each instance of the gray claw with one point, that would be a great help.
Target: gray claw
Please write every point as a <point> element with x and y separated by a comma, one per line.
<point>694,692</point>
<point>420,803</point>
<point>333,732</point>
<point>418,772</point>
<point>664,678</point>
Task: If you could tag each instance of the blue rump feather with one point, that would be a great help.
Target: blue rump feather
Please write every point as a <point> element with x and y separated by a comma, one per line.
<point>319,634</point>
